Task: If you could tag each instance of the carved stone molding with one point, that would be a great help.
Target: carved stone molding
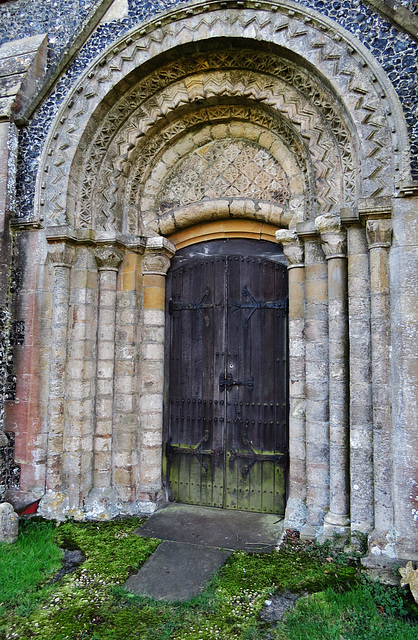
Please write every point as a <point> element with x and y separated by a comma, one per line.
<point>380,207</point>
<point>157,257</point>
<point>292,247</point>
<point>108,258</point>
<point>317,40</point>
<point>171,141</point>
<point>409,190</point>
<point>210,210</point>
<point>379,233</point>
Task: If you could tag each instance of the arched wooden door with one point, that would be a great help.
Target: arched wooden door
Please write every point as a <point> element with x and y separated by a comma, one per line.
<point>226,392</point>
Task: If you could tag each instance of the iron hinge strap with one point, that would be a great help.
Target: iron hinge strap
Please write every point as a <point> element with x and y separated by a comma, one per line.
<point>195,450</point>
<point>254,304</point>
<point>254,456</point>
<point>174,305</point>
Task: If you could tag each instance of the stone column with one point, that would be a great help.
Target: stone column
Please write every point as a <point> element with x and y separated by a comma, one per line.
<point>80,381</point>
<point>317,380</point>
<point>296,503</point>
<point>379,234</point>
<point>334,245</point>
<point>155,264</point>
<point>108,259</point>
<point>127,378</point>
<point>61,254</point>
<point>404,330</point>
<point>361,421</point>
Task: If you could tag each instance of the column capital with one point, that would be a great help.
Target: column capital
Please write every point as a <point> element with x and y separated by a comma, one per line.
<point>292,247</point>
<point>157,256</point>
<point>333,236</point>
<point>61,254</point>
<point>379,233</point>
<point>108,258</point>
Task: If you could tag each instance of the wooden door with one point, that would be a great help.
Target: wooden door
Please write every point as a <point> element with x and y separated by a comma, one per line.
<point>226,395</point>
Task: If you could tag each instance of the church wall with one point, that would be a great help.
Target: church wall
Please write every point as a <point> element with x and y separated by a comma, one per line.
<point>91,296</point>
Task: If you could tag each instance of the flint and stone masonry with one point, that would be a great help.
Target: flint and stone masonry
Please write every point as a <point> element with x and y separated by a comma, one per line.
<point>154,127</point>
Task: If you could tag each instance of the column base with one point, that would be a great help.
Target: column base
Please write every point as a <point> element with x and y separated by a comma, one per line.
<point>104,504</point>
<point>336,525</point>
<point>382,544</point>
<point>55,505</point>
<point>310,531</point>
<point>295,515</point>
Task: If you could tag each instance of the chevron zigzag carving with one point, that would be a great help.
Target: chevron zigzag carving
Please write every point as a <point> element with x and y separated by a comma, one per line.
<point>310,39</point>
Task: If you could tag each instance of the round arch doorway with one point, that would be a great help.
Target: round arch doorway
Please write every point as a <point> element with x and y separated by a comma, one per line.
<point>227,385</point>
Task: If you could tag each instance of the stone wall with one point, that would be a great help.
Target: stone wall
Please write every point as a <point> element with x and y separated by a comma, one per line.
<point>394,49</point>
<point>9,470</point>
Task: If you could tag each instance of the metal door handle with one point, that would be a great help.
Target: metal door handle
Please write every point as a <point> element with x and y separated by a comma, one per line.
<point>228,382</point>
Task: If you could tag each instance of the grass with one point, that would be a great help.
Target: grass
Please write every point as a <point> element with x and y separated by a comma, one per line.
<point>25,564</point>
<point>336,600</point>
<point>352,615</point>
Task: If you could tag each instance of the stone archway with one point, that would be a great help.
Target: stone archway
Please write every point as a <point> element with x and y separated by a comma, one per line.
<point>292,125</point>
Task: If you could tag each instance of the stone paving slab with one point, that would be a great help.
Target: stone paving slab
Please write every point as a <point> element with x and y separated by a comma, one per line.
<point>207,526</point>
<point>177,571</point>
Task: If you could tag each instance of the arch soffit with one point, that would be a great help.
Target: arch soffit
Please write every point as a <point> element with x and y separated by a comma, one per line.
<point>351,72</point>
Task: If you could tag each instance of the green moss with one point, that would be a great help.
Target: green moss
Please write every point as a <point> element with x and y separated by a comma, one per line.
<point>76,606</point>
<point>112,551</point>
<point>286,569</point>
<point>91,603</point>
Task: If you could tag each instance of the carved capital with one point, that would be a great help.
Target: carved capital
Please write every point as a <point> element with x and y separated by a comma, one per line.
<point>334,245</point>
<point>379,233</point>
<point>157,257</point>
<point>333,237</point>
<point>108,258</point>
<point>292,247</point>
<point>61,254</point>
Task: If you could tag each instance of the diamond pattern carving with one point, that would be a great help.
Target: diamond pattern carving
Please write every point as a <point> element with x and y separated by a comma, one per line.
<point>148,150</point>
<point>226,168</point>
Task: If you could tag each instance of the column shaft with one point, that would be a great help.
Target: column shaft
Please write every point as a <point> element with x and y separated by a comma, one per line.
<point>378,232</point>
<point>126,386</point>
<point>81,379</point>
<point>361,436</point>
<point>338,401</point>
<point>334,245</point>
<point>155,264</point>
<point>317,386</point>
<point>57,372</point>
<point>296,504</point>
<point>105,376</point>
<point>297,400</point>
